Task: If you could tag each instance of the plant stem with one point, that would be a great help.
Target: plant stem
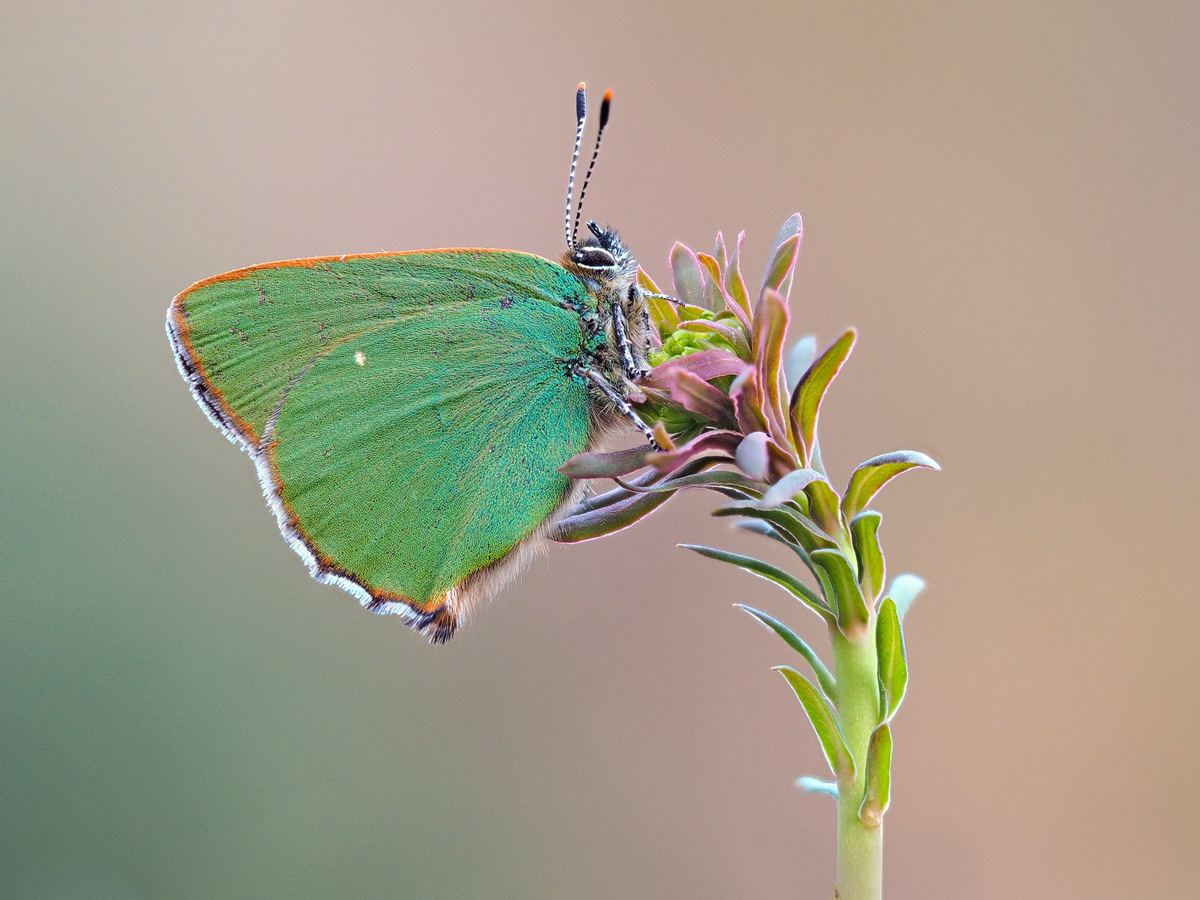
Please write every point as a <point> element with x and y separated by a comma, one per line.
<point>860,848</point>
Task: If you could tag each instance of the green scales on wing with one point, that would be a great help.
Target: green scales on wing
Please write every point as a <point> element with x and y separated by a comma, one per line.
<point>407,412</point>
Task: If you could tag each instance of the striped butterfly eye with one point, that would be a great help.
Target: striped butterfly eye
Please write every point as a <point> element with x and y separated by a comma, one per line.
<point>593,258</point>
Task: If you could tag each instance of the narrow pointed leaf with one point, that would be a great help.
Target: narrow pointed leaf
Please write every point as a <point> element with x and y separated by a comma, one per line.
<point>721,481</point>
<point>878,791</point>
<point>824,721</point>
<point>778,276</point>
<point>799,358</point>
<point>868,478</point>
<point>893,666</point>
<point>793,228</point>
<point>817,786</point>
<point>789,486</point>
<point>697,395</point>
<point>803,530</point>
<point>718,444</point>
<point>662,311</point>
<point>864,528</point>
<point>719,253</point>
<point>714,299</point>
<point>823,505</point>
<point>615,510</point>
<point>806,398</point>
<point>793,640</point>
<point>605,465</point>
<point>766,529</point>
<point>687,275</point>
<point>774,574</point>
<point>841,589</point>
<point>606,520</point>
<point>735,285</point>
<point>745,396</point>
<point>904,591</point>
<point>707,364</point>
<point>770,328</point>
<point>734,336</point>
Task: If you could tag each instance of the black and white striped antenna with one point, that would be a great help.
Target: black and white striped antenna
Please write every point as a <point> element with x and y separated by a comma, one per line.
<point>581,116</point>
<point>604,107</point>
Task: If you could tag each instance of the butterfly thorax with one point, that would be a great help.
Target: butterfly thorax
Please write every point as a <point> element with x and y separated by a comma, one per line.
<point>619,321</point>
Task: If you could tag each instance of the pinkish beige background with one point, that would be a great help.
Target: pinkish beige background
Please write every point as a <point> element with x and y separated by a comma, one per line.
<point>1002,196</point>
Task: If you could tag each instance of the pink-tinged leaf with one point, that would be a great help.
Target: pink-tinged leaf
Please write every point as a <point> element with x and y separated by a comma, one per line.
<point>606,465</point>
<point>783,256</point>
<point>869,477</point>
<point>770,321</point>
<point>714,299</point>
<point>806,399</point>
<point>745,395</point>
<point>716,445</point>
<point>688,276</point>
<point>719,253</point>
<point>707,364</point>
<point>734,336</point>
<point>752,457</point>
<point>697,395</point>
<point>662,311</point>
<point>586,522</point>
<point>617,494</point>
<point>735,285</point>
<point>733,485</point>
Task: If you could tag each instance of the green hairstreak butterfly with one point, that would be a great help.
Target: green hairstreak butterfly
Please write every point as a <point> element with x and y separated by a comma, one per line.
<point>408,412</point>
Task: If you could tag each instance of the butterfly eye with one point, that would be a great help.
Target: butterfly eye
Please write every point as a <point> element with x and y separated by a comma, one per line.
<point>593,258</point>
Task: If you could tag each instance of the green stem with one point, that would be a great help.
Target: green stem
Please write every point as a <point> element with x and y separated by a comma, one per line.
<point>860,849</point>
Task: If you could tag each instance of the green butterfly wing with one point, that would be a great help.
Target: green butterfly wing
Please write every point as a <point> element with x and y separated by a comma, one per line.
<point>407,412</point>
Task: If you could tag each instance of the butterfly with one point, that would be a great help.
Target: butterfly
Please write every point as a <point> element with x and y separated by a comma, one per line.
<point>408,412</point>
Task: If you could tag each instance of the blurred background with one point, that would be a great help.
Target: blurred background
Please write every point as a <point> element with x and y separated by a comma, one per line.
<point>1002,196</point>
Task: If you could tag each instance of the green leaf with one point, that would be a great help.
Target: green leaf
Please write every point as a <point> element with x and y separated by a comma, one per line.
<point>799,358</point>
<point>789,486</point>
<point>793,640</point>
<point>735,285</point>
<point>865,530</point>
<point>785,580</point>
<point>817,786</point>
<point>868,478</point>
<point>687,275</point>
<point>841,590</point>
<point>802,529</point>
<point>713,299</point>
<point>766,529</point>
<point>783,256</point>
<point>823,505</point>
<point>720,481</point>
<point>904,591</point>
<point>806,398</point>
<point>878,791</point>
<point>893,665</point>
<point>662,311</point>
<point>735,337</point>
<point>824,721</point>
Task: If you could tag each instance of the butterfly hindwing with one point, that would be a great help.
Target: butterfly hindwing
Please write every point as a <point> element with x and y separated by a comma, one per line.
<point>407,412</point>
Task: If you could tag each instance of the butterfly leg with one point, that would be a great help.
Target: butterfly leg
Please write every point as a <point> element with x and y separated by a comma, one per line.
<point>674,300</point>
<point>632,369</point>
<point>620,403</point>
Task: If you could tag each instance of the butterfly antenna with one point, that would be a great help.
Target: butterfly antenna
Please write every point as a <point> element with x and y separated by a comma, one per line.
<point>581,115</point>
<point>604,107</point>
